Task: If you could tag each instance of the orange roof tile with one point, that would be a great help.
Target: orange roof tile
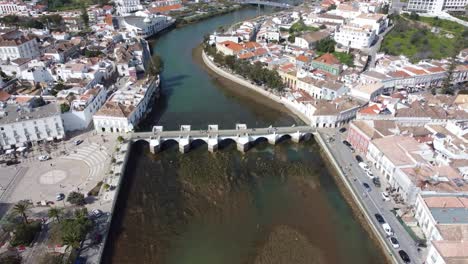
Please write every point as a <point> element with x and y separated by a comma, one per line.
<point>163,9</point>
<point>246,55</point>
<point>232,45</point>
<point>4,96</point>
<point>302,58</point>
<point>398,74</point>
<point>415,71</point>
<point>252,45</point>
<point>328,58</point>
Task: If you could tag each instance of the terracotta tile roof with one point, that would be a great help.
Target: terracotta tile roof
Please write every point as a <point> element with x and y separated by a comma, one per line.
<point>328,58</point>
<point>246,55</point>
<point>252,45</point>
<point>162,9</point>
<point>302,58</point>
<point>444,202</point>
<point>115,109</point>
<point>232,45</point>
<point>398,74</point>
<point>370,110</point>
<point>415,71</point>
<point>4,96</point>
<point>260,52</point>
<point>436,69</point>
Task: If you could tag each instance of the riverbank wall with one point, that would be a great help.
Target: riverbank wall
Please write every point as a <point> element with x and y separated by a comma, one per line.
<point>366,217</point>
<point>283,101</point>
<point>121,174</point>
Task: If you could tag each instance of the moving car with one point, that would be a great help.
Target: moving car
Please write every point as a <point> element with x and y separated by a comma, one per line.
<point>367,187</point>
<point>394,242</point>
<point>44,158</point>
<point>363,166</point>
<point>404,256</point>
<point>342,130</point>
<point>370,174</point>
<point>96,213</point>
<point>376,182</point>
<point>77,142</point>
<point>348,145</point>
<point>359,159</point>
<point>60,197</point>
<point>387,229</point>
<point>379,218</point>
<point>385,196</point>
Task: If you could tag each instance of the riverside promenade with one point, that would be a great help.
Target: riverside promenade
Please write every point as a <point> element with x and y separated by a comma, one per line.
<point>278,99</point>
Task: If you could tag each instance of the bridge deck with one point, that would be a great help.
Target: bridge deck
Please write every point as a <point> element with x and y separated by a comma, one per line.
<point>225,132</point>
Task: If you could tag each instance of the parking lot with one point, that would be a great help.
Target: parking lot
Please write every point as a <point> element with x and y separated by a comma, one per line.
<point>371,197</point>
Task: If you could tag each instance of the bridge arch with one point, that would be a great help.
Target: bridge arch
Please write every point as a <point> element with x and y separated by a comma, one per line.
<point>284,138</point>
<point>198,142</point>
<point>259,140</point>
<point>226,142</point>
<point>168,143</point>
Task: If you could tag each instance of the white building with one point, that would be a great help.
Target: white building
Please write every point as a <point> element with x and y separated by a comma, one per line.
<point>15,44</point>
<point>83,108</point>
<point>125,7</point>
<point>436,6</point>
<point>377,22</point>
<point>12,7</point>
<point>126,107</point>
<point>444,221</point>
<point>145,25</point>
<point>355,36</point>
<point>20,125</point>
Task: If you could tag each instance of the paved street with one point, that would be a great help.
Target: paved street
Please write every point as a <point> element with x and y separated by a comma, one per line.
<point>372,200</point>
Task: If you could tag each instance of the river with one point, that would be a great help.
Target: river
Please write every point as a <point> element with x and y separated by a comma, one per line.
<point>271,205</point>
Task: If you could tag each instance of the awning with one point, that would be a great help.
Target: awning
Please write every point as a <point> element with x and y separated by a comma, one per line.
<point>50,139</point>
<point>9,151</point>
<point>59,137</point>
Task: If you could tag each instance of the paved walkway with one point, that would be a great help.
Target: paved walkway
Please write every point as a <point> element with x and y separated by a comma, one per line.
<point>372,200</point>
<point>95,156</point>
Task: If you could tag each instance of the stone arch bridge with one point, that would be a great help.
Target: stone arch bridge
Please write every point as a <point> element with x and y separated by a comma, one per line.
<point>242,135</point>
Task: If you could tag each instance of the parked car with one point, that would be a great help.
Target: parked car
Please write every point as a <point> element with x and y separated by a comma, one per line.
<point>367,187</point>
<point>96,213</point>
<point>379,218</point>
<point>363,166</point>
<point>385,196</point>
<point>359,158</point>
<point>404,256</point>
<point>387,229</point>
<point>348,145</point>
<point>394,242</point>
<point>376,182</point>
<point>44,158</point>
<point>77,142</point>
<point>60,197</point>
<point>370,174</point>
<point>12,162</point>
<point>342,130</point>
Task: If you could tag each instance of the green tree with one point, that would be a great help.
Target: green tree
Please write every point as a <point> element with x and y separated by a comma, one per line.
<point>120,139</point>
<point>76,198</point>
<point>55,213</point>
<point>414,16</point>
<point>291,38</point>
<point>25,234</point>
<point>64,107</point>
<point>21,208</point>
<point>155,65</point>
<point>85,16</point>
<point>326,45</point>
<point>72,239</point>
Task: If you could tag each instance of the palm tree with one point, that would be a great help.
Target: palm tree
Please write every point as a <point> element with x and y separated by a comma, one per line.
<point>72,239</point>
<point>55,213</point>
<point>21,208</point>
